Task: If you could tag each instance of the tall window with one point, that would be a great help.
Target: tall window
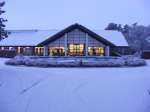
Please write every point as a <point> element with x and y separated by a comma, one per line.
<point>95,51</point>
<point>76,37</point>
<point>56,51</point>
<point>21,50</point>
<point>39,51</point>
<point>76,43</point>
<point>76,50</point>
<point>95,48</point>
<point>58,43</point>
<point>57,48</point>
<point>92,42</point>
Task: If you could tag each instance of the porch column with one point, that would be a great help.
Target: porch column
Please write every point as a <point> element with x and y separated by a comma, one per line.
<point>66,46</point>
<point>45,51</point>
<point>107,51</point>
<point>86,46</point>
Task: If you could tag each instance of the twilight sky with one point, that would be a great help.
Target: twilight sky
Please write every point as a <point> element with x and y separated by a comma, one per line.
<point>57,14</point>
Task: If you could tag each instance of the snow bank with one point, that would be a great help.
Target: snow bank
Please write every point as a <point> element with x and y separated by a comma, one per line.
<point>77,62</point>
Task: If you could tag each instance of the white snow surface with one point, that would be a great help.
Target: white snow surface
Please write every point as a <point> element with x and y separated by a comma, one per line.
<point>30,89</point>
<point>35,37</point>
<point>114,37</point>
<point>27,37</point>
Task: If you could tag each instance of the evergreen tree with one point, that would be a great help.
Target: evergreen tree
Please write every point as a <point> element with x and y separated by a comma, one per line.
<point>3,32</point>
<point>112,26</point>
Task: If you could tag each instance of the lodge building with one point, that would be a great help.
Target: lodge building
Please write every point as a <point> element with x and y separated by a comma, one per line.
<point>75,40</point>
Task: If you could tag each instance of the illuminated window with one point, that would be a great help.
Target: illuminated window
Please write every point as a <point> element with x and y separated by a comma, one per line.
<point>18,50</point>
<point>11,48</point>
<point>76,49</point>
<point>6,48</point>
<point>39,51</point>
<point>96,51</point>
<point>21,50</point>
<point>56,51</point>
<point>2,48</point>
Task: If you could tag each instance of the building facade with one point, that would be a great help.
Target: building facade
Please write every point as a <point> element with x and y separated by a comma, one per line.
<point>75,40</point>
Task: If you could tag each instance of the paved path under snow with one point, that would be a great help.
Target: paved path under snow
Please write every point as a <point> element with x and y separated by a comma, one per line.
<point>27,89</point>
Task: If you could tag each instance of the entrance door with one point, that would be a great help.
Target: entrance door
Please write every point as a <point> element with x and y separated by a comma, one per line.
<point>76,49</point>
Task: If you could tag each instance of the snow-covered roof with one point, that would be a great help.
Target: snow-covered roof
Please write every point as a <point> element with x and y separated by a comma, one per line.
<point>114,37</point>
<point>27,37</point>
<point>34,37</point>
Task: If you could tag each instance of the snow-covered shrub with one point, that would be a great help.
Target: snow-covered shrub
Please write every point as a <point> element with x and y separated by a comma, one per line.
<point>30,62</point>
<point>103,63</point>
<point>41,62</point>
<point>77,62</point>
<point>69,63</point>
<point>17,60</point>
<point>52,62</point>
<point>14,62</point>
<point>133,61</point>
<point>19,57</point>
<point>46,63</point>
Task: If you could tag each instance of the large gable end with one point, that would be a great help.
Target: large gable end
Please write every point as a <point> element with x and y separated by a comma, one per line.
<point>74,27</point>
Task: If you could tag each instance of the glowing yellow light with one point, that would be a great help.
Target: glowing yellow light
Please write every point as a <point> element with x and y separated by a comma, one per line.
<point>2,48</point>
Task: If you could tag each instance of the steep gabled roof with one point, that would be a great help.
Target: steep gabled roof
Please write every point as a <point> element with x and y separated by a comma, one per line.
<point>76,26</point>
<point>43,37</point>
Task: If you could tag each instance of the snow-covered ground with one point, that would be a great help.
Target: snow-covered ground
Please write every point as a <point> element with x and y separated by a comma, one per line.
<point>28,89</point>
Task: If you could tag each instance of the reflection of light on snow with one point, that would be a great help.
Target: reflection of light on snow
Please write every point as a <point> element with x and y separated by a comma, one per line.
<point>148,39</point>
